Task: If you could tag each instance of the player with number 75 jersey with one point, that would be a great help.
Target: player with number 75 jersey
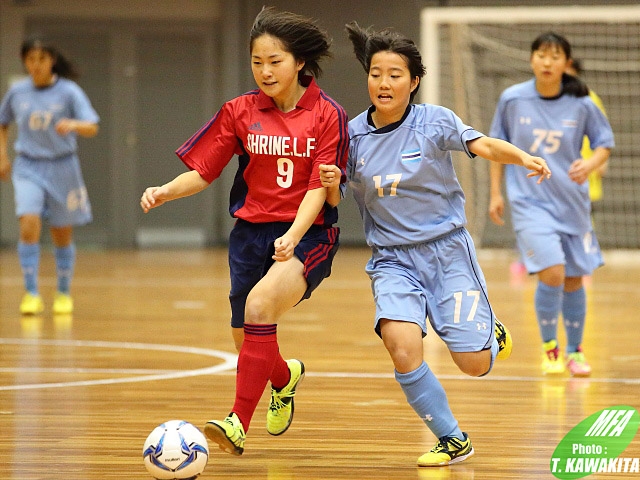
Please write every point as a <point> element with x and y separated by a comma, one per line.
<point>549,115</point>
<point>552,128</point>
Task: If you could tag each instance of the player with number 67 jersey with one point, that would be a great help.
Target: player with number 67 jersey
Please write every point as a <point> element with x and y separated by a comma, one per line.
<point>50,111</point>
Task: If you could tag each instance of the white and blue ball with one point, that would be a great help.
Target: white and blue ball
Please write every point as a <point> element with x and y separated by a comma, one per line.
<point>175,450</point>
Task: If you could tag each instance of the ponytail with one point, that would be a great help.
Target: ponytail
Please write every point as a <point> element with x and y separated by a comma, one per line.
<point>572,85</point>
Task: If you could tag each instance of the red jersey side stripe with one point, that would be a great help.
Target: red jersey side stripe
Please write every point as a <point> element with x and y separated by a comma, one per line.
<point>321,252</point>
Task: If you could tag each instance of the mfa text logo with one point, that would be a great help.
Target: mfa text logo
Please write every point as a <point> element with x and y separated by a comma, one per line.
<point>595,445</point>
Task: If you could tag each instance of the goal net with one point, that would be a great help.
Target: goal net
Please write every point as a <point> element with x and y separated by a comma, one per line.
<point>473,54</point>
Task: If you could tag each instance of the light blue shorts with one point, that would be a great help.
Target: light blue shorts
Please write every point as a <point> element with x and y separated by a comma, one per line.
<point>439,280</point>
<point>52,189</point>
<point>541,248</point>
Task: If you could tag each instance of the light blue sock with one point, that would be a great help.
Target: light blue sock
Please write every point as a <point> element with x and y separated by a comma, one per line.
<point>548,302</point>
<point>429,400</point>
<point>65,263</point>
<point>29,255</point>
<point>574,311</point>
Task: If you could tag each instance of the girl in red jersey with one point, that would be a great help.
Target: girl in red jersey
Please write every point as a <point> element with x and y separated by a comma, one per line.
<point>284,241</point>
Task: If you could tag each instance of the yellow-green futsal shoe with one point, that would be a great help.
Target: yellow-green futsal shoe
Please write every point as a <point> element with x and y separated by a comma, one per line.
<point>228,434</point>
<point>447,451</point>
<point>280,413</point>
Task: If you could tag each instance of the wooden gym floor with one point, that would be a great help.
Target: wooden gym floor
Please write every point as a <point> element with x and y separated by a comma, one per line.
<point>149,341</point>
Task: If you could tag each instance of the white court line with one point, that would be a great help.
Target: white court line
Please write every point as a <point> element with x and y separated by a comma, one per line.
<point>226,368</point>
<point>488,378</point>
<point>112,371</point>
<point>229,361</point>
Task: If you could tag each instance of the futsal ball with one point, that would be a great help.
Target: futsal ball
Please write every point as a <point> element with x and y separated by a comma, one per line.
<point>175,450</point>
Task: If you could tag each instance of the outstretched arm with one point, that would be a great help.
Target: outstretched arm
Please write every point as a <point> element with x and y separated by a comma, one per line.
<point>184,185</point>
<point>82,128</point>
<point>496,201</point>
<point>500,151</point>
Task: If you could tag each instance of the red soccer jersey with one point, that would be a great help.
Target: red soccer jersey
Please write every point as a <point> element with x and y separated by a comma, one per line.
<point>279,153</point>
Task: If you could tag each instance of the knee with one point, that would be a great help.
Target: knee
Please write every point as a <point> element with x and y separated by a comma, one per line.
<point>553,276</point>
<point>403,341</point>
<point>256,310</point>
<point>405,360</point>
<point>30,229</point>
<point>62,236</point>
<point>571,284</point>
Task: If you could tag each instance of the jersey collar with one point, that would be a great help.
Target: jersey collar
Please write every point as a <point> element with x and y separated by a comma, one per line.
<point>391,126</point>
<point>307,101</point>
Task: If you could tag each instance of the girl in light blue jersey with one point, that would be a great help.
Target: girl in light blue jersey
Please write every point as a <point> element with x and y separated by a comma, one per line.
<point>423,262</point>
<point>549,115</point>
<point>49,110</point>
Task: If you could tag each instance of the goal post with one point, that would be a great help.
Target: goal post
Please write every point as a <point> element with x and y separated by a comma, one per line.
<point>472,54</point>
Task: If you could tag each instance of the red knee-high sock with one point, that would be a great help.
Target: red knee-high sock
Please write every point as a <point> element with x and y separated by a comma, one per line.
<point>280,375</point>
<point>255,364</point>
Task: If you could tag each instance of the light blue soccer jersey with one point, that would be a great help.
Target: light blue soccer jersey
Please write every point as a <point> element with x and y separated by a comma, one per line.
<point>402,175</point>
<point>552,129</point>
<point>36,112</point>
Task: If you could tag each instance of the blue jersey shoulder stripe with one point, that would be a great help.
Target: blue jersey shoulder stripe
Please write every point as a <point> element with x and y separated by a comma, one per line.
<point>186,146</point>
<point>342,125</point>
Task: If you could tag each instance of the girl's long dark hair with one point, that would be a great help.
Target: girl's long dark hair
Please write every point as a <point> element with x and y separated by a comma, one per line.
<point>62,66</point>
<point>571,85</point>
<point>299,35</point>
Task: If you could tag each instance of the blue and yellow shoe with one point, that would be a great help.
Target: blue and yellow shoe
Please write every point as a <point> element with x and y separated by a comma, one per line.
<point>31,304</point>
<point>505,342</point>
<point>228,434</point>
<point>280,413</point>
<point>447,451</point>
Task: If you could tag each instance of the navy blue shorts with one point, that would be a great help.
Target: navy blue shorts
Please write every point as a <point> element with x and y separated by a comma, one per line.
<point>250,251</point>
